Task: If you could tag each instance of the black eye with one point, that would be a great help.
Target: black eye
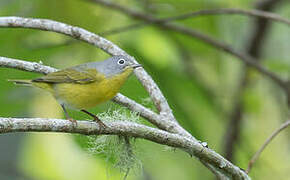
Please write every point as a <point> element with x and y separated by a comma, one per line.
<point>121,61</point>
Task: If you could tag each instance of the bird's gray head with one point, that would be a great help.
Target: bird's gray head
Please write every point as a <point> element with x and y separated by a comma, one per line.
<point>114,65</point>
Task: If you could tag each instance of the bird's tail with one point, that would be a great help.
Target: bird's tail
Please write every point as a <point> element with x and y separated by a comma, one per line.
<point>40,85</point>
<point>21,82</point>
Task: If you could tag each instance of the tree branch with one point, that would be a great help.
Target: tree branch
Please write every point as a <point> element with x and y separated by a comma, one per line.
<point>258,153</point>
<point>248,60</point>
<point>122,128</point>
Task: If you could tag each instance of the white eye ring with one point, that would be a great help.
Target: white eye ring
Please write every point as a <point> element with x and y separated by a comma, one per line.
<point>121,61</point>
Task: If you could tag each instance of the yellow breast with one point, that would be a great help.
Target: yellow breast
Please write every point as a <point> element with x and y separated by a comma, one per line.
<point>82,96</point>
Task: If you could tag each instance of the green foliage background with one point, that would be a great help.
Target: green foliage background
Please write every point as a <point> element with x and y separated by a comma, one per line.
<point>199,82</point>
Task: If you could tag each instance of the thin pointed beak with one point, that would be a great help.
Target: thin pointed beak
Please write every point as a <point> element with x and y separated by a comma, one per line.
<point>136,66</point>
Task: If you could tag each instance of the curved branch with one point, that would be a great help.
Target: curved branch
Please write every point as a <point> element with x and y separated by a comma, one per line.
<point>248,60</point>
<point>122,128</point>
<point>258,153</point>
<point>91,38</point>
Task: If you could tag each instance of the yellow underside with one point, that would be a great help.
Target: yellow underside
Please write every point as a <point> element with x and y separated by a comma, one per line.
<point>83,96</point>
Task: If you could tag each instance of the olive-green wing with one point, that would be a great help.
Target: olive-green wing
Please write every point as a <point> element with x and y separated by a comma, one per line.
<point>71,76</point>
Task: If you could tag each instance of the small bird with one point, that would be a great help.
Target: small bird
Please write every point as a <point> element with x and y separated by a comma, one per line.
<point>86,85</point>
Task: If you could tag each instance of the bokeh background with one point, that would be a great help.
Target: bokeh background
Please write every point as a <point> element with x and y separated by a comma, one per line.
<point>202,85</point>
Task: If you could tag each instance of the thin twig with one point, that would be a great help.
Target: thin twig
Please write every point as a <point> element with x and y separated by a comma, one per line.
<point>230,11</point>
<point>248,60</point>
<point>123,29</point>
<point>258,153</point>
<point>207,12</point>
